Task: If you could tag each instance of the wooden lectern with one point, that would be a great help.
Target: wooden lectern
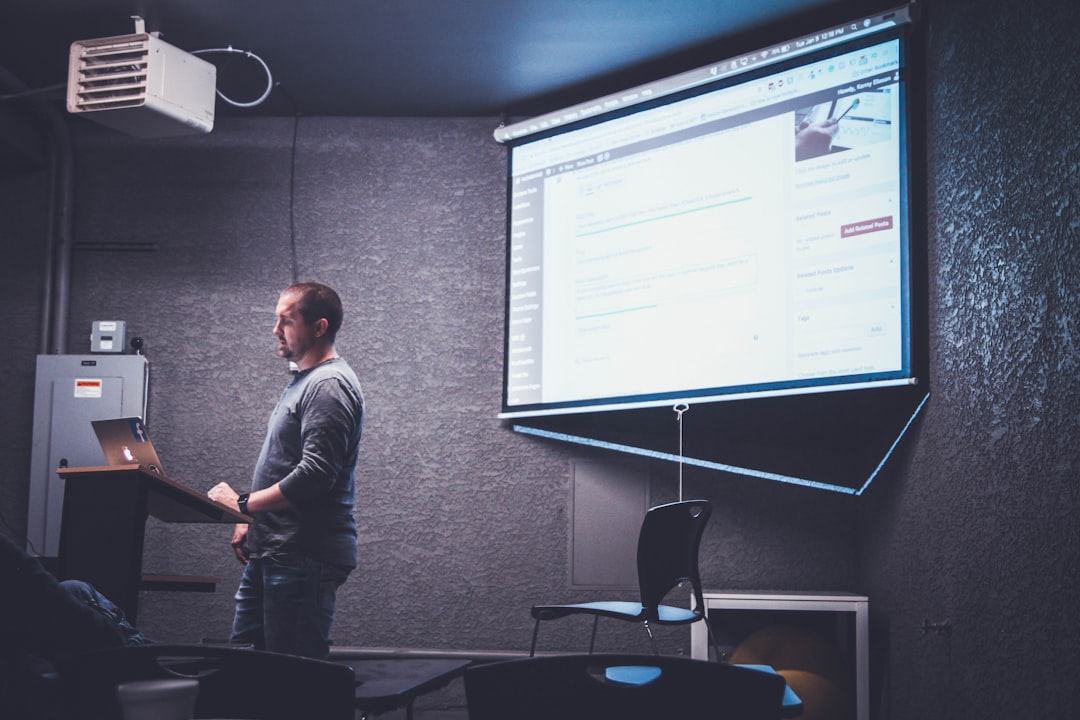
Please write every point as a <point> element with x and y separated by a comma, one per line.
<point>104,522</point>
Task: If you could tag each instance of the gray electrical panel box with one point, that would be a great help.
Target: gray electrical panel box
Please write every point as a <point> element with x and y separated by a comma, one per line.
<point>69,392</point>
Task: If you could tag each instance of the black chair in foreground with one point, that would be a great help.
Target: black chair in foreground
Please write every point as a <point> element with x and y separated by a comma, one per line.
<point>587,687</point>
<point>667,556</point>
<point>233,682</point>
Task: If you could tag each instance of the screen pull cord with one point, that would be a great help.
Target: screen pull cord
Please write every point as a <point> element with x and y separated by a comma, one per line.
<point>679,410</point>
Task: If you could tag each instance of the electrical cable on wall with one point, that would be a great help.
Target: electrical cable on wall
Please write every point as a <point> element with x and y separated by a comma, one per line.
<point>292,200</point>
<point>9,530</point>
<point>253,56</point>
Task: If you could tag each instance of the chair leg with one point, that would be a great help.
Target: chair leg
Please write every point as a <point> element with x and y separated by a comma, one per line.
<point>536,631</point>
<point>712,639</point>
<point>655,649</point>
<point>592,640</point>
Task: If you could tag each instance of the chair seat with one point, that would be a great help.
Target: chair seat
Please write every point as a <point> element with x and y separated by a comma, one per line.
<point>618,609</point>
<point>628,687</point>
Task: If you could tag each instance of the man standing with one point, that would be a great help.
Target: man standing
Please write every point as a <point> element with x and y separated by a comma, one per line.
<point>301,543</point>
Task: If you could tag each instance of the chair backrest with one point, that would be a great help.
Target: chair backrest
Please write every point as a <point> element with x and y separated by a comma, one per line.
<point>667,552</point>
<point>233,682</point>
<point>577,687</point>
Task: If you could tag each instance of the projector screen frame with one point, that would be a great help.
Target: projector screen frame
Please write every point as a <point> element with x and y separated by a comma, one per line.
<point>892,24</point>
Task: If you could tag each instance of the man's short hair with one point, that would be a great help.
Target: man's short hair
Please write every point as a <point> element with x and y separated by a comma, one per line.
<point>317,301</point>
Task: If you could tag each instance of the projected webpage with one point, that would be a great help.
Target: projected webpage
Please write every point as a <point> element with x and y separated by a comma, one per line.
<point>743,238</point>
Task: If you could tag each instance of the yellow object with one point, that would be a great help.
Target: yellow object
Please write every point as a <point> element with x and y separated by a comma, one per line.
<point>811,665</point>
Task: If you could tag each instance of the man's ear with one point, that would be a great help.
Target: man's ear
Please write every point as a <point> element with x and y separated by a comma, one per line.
<point>321,326</point>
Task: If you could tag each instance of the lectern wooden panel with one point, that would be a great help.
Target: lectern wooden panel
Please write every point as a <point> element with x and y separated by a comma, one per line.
<point>104,524</point>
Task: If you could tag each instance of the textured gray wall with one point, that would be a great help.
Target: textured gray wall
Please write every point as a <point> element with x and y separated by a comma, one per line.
<point>463,523</point>
<point>23,225</point>
<point>981,529</point>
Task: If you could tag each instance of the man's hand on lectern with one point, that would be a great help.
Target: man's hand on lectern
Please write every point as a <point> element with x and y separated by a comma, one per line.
<point>224,494</point>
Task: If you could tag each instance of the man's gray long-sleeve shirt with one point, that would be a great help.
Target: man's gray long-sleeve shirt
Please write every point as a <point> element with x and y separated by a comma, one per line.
<point>311,447</point>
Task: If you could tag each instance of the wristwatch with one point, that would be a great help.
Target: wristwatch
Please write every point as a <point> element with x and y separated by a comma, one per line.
<point>241,502</point>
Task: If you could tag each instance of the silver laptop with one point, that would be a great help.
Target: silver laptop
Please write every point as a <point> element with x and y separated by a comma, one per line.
<point>126,442</point>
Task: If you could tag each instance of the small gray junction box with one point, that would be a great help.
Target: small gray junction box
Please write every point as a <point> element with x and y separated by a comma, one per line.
<point>107,336</point>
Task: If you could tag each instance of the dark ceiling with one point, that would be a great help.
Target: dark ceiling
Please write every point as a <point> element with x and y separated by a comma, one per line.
<point>420,57</point>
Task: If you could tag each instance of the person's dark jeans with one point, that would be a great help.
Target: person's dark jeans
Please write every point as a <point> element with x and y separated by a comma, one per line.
<point>285,603</point>
<point>87,594</point>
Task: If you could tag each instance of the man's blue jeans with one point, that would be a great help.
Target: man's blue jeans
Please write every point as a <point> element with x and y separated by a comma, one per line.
<point>285,604</point>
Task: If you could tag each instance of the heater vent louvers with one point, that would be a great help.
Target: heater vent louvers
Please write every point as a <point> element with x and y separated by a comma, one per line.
<point>141,85</point>
<point>110,73</point>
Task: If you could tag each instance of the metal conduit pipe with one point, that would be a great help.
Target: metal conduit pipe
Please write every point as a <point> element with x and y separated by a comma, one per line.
<point>56,279</point>
<point>63,239</point>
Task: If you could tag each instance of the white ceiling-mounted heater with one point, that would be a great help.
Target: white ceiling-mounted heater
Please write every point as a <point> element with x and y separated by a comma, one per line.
<point>141,85</point>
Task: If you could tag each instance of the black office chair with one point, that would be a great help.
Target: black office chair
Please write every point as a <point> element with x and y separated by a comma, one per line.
<point>587,687</point>
<point>233,682</point>
<point>667,556</point>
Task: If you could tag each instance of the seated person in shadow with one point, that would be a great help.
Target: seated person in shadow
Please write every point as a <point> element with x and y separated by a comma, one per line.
<point>42,619</point>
